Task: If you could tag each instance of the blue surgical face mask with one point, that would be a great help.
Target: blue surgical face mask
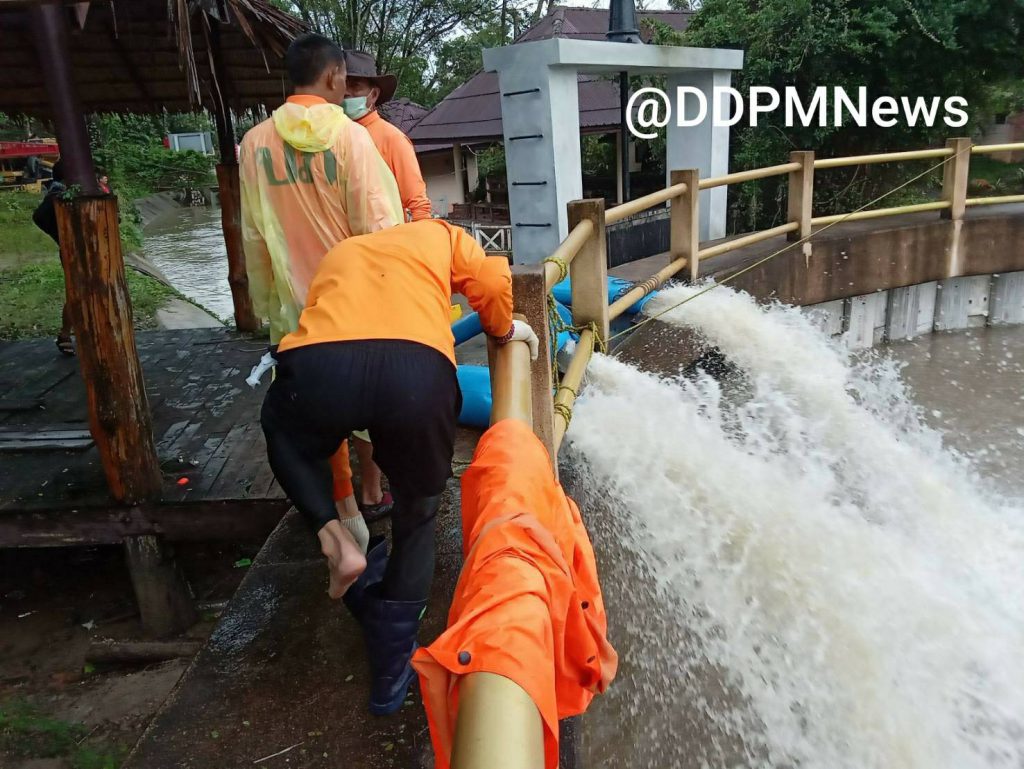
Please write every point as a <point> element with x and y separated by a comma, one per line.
<point>355,107</point>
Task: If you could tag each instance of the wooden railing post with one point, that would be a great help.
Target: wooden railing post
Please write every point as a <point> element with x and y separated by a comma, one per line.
<point>801,197</point>
<point>588,272</point>
<point>684,220</point>
<point>530,298</point>
<point>955,174</point>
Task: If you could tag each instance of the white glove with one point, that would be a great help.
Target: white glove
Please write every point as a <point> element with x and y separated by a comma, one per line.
<point>521,332</point>
<point>266,362</point>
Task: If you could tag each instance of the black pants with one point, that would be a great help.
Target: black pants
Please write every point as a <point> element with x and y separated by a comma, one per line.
<point>407,395</point>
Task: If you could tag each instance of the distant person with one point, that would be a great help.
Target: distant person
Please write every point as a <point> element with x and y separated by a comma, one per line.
<point>104,183</point>
<point>374,350</point>
<point>310,178</point>
<point>365,91</point>
<point>45,218</point>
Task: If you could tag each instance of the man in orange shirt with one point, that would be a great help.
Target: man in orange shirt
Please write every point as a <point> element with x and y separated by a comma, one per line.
<point>310,178</point>
<point>365,91</point>
<point>374,351</point>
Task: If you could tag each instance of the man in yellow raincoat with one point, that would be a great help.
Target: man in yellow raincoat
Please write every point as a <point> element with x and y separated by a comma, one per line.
<point>310,178</point>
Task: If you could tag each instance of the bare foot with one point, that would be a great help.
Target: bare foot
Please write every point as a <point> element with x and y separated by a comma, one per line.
<point>345,560</point>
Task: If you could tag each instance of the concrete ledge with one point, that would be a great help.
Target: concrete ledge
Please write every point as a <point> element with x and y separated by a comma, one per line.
<point>604,56</point>
<point>910,311</point>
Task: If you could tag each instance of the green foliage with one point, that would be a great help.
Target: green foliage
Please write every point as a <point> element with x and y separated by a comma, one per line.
<point>598,155</point>
<point>129,148</point>
<point>26,733</point>
<point>892,47</point>
<point>432,47</point>
<point>32,295</point>
<point>491,162</point>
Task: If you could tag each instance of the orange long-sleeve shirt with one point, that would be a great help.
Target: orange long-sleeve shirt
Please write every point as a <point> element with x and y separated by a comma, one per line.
<point>400,155</point>
<point>397,284</point>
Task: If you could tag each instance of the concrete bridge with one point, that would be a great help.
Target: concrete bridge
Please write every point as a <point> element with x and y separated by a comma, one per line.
<point>282,681</point>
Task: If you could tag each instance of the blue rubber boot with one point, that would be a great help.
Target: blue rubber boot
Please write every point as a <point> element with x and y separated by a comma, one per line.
<point>376,563</point>
<point>390,628</point>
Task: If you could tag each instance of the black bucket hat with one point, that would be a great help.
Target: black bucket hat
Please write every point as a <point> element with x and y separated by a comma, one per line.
<point>362,64</point>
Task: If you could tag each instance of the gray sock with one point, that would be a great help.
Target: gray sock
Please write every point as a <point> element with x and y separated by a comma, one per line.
<point>357,528</point>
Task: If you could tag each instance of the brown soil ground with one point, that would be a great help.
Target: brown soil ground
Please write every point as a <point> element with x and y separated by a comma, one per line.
<point>56,710</point>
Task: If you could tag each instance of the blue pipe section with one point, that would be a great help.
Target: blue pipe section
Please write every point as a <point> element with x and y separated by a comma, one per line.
<point>475,383</point>
<point>616,288</point>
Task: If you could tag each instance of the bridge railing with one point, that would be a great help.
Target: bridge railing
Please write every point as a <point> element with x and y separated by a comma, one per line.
<point>496,717</point>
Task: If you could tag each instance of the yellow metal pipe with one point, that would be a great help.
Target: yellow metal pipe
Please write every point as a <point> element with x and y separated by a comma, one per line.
<point>567,251</point>
<point>499,726</point>
<point>995,201</point>
<point>748,176</point>
<point>620,212</point>
<point>570,384</point>
<point>642,289</point>
<point>988,149</point>
<point>746,240</point>
<point>882,212</point>
<point>886,157</point>
<point>510,383</point>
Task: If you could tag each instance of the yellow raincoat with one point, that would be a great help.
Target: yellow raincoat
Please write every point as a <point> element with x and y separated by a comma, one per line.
<point>310,178</point>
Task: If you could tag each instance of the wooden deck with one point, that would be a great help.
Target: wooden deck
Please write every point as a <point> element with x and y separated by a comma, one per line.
<point>217,482</point>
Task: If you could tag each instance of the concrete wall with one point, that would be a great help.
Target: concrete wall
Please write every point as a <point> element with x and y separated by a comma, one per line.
<point>438,169</point>
<point>910,311</point>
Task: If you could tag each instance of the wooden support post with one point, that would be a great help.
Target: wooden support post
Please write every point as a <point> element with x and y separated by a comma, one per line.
<point>101,314</point>
<point>531,301</point>
<point>165,601</point>
<point>801,197</point>
<point>588,271</point>
<point>684,220</point>
<point>955,174</point>
<point>50,34</point>
<point>231,222</point>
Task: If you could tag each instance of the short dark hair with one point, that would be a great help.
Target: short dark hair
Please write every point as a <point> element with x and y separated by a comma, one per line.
<point>309,55</point>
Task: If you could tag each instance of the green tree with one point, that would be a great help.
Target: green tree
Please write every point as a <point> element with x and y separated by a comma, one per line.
<point>892,47</point>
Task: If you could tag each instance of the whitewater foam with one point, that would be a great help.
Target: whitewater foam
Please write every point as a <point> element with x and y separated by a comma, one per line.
<point>855,585</point>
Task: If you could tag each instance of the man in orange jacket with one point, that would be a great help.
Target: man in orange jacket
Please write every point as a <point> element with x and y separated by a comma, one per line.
<point>374,351</point>
<point>365,91</point>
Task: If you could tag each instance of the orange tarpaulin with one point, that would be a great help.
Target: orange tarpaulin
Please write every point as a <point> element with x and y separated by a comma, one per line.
<point>528,605</point>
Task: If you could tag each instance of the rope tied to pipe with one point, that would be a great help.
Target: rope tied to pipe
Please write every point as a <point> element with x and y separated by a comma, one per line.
<point>565,412</point>
<point>561,264</point>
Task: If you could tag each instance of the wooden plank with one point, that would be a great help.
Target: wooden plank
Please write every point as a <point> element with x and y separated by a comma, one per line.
<point>54,444</point>
<point>42,434</point>
<point>230,520</point>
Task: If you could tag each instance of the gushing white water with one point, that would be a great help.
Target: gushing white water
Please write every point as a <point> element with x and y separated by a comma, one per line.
<point>855,586</point>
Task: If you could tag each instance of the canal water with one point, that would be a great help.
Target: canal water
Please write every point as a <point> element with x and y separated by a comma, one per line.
<point>816,560</point>
<point>187,245</point>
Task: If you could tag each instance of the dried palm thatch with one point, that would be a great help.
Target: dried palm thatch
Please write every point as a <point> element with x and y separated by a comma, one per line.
<point>154,55</point>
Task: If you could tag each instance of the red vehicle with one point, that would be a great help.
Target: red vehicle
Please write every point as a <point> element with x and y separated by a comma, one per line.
<point>24,163</point>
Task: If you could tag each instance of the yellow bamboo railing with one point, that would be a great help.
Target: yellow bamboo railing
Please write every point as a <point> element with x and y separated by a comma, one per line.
<point>498,725</point>
<point>879,213</point>
<point>994,201</point>
<point>885,157</point>
<point>624,210</point>
<point>748,176</point>
<point>560,259</point>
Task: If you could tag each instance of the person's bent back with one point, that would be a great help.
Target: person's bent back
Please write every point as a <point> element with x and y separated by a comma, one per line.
<point>397,284</point>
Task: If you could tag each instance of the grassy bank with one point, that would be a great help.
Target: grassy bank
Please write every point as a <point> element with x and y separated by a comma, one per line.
<point>32,296</point>
<point>32,280</point>
<point>27,733</point>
